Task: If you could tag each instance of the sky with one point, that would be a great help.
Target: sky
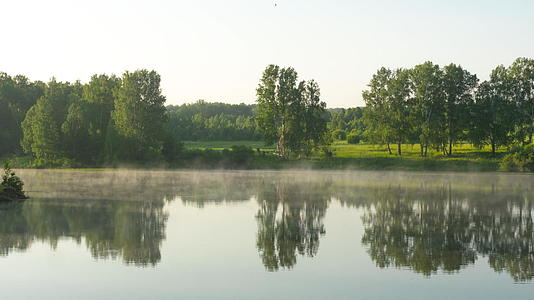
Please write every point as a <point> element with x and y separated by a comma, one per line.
<point>217,50</point>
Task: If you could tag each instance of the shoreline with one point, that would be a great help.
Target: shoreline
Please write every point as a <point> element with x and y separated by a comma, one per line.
<point>333,164</point>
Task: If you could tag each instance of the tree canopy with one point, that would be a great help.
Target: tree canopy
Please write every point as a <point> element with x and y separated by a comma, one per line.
<point>290,113</point>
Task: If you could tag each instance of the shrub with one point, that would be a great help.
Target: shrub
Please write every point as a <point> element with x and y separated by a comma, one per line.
<point>339,135</point>
<point>519,159</point>
<point>11,187</point>
<point>354,137</point>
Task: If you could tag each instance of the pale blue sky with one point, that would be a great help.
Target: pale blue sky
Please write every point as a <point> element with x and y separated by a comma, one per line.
<point>217,50</point>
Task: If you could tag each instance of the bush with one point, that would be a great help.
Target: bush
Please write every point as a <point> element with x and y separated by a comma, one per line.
<point>11,187</point>
<point>520,159</point>
<point>354,138</point>
<point>339,135</point>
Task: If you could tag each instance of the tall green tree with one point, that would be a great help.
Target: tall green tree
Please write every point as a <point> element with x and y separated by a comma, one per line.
<point>42,125</point>
<point>494,111</point>
<point>376,116</point>
<point>75,132</point>
<point>290,113</point>
<point>99,93</point>
<point>17,95</point>
<point>389,105</point>
<point>41,132</point>
<point>459,87</point>
<point>521,73</point>
<point>139,116</point>
<point>400,107</point>
<point>429,105</point>
<point>316,118</point>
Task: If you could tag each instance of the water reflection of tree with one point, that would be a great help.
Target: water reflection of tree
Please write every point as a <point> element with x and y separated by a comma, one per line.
<point>290,222</point>
<point>424,235</point>
<point>110,229</point>
<point>444,229</point>
<point>13,229</point>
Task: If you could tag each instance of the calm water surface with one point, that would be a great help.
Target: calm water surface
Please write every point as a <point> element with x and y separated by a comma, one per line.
<point>268,235</point>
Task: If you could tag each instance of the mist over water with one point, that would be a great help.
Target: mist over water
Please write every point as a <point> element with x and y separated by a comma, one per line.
<point>265,234</point>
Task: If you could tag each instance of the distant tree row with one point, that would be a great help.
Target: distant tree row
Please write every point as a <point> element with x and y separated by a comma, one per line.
<point>347,124</point>
<point>213,121</point>
<point>438,107</point>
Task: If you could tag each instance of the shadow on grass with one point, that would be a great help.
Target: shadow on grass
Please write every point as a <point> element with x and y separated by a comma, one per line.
<point>406,164</point>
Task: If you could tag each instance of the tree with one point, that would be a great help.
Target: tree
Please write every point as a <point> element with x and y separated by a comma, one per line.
<point>75,132</point>
<point>41,133</point>
<point>389,102</point>
<point>290,114</point>
<point>400,107</point>
<point>98,94</point>
<point>521,73</point>
<point>376,115</point>
<point>8,128</point>
<point>429,106</point>
<point>459,87</point>
<point>43,122</point>
<point>493,112</point>
<point>139,116</point>
<point>314,118</point>
<point>17,95</point>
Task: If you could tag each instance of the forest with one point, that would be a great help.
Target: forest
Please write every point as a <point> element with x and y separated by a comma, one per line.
<point>123,119</point>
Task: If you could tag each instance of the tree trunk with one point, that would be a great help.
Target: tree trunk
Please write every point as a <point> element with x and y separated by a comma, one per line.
<point>281,147</point>
<point>422,151</point>
<point>493,148</point>
<point>399,148</point>
<point>450,135</point>
<point>389,149</point>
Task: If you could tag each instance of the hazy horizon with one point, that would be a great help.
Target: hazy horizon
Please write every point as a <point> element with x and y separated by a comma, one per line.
<point>217,50</point>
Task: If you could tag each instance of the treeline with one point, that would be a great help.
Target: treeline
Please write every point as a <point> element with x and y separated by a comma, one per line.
<point>114,119</point>
<point>109,119</point>
<point>347,124</point>
<point>213,122</point>
<point>438,107</point>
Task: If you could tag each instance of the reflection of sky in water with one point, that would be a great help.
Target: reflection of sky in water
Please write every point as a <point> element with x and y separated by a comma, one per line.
<point>194,245</point>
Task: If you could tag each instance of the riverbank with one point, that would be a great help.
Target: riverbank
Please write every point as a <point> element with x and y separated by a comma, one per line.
<point>211,159</point>
<point>465,158</point>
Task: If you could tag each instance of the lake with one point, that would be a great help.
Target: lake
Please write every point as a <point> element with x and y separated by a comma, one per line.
<point>268,235</point>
